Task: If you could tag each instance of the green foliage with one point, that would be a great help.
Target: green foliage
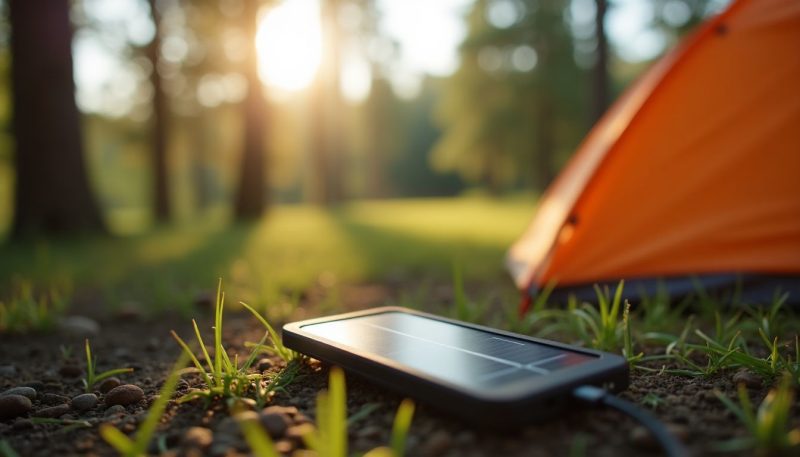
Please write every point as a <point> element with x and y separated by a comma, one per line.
<point>137,447</point>
<point>6,450</point>
<point>224,377</point>
<point>92,377</point>
<point>329,438</point>
<point>67,425</point>
<point>601,327</point>
<point>768,427</point>
<point>24,311</point>
<point>228,378</point>
<point>276,346</point>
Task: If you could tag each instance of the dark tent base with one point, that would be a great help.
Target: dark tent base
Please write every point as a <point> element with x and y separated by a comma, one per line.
<point>727,289</point>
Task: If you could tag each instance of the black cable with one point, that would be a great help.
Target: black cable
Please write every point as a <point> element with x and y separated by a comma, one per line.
<point>597,396</point>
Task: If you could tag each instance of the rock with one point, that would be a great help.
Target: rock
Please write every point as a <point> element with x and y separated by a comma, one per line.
<point>748,378</point>
<point>197,437</point>
<point>124,395</point>
<point>295,433</point>
<point>115,410</point>
<point>54,399</point>
<point>36,385</point>
<point>229,428</point>
<point>437,444</point>
<point>24,391</point>
<point>8,371</point>
<point>290,411</point>
<point>52,411</point>
<point>13,406</point>
<point>109,384</point>
<point>275,423</point>
<point>22,424</point>
<point>79,326</point>
<point>641,437</point>
<point>70,371</point>
<point>264,364</point>
<point>284,446</point>
<point>84,402</point>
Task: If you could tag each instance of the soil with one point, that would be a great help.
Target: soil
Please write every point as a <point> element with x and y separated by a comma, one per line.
<point>127,339</point>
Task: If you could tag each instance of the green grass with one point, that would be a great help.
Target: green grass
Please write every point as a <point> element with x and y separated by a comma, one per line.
<point>329,437</point>
<point>137,446</point>
<point>769,427</point>
<point>227,378</point>
<point>92,377</point>
<point>291,249</point>
<point>26,311</point>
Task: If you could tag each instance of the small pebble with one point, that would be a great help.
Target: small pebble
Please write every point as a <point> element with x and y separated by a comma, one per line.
<point>284,446</point>
<point>748,378</point>
<point>24,391</point>
<point>70,371</point>
<point>109,384</point>
<point>79,326</point>
<point>114,410</point>
<point>290,411</point>
<point>84,402</point>
<point>8,371</point>
<point>13,406</point>
<point>125,394</point>
<point>264,364</point>
<point>295,433</point>
<point>275,423</point>
<point>437,444</point>
<point>54,399</point>
<point>197,437</point>
<point>52,411</point>
<point>22,424</point>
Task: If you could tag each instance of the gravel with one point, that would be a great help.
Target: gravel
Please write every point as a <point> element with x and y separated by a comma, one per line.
<point>124,395</point>
<point>84,402</point>
<point>24,391</point>
<point>13,406</point>
<point>52,411</point>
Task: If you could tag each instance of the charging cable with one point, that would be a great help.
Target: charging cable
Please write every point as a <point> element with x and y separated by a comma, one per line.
<point>597,396</point>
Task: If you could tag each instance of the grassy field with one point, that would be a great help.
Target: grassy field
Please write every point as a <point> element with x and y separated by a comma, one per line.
<point>290,249</point>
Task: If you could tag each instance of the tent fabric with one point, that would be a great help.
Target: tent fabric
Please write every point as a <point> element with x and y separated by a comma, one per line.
<point>694,171</point>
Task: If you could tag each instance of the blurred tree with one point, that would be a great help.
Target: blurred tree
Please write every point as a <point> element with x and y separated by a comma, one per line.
<point>251,196</point>
<point>326,149</point>
<point>159,122</point>
<point>52,186</point>
<point>600,87</point>
<point>382,136</point>
<point>512,111</point>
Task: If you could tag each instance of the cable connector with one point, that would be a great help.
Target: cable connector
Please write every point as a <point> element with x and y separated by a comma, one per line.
<point>590,394</point>
<point>596,396</point>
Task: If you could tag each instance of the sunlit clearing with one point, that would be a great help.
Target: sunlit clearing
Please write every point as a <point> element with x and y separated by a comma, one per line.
<point>289,44</point>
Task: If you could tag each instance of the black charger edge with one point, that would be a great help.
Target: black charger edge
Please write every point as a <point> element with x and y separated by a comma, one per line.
<point>608,371</point>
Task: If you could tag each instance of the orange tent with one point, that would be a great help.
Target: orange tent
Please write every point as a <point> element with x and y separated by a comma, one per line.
<point>693,174</point>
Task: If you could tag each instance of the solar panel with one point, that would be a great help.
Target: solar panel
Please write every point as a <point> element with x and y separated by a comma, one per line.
<point>463,356</point>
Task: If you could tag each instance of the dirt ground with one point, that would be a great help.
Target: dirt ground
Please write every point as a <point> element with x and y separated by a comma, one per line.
<point>687,405</point>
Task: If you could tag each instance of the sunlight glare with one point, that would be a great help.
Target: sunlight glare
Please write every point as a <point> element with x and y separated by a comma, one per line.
<point>289,45</point>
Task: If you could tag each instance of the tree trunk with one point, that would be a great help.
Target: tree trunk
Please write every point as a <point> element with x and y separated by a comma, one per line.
<point>158,132</point>
<point>251,197</point>
<point>52,185</point>
<point>326,107</point>
<point>600,70</point>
